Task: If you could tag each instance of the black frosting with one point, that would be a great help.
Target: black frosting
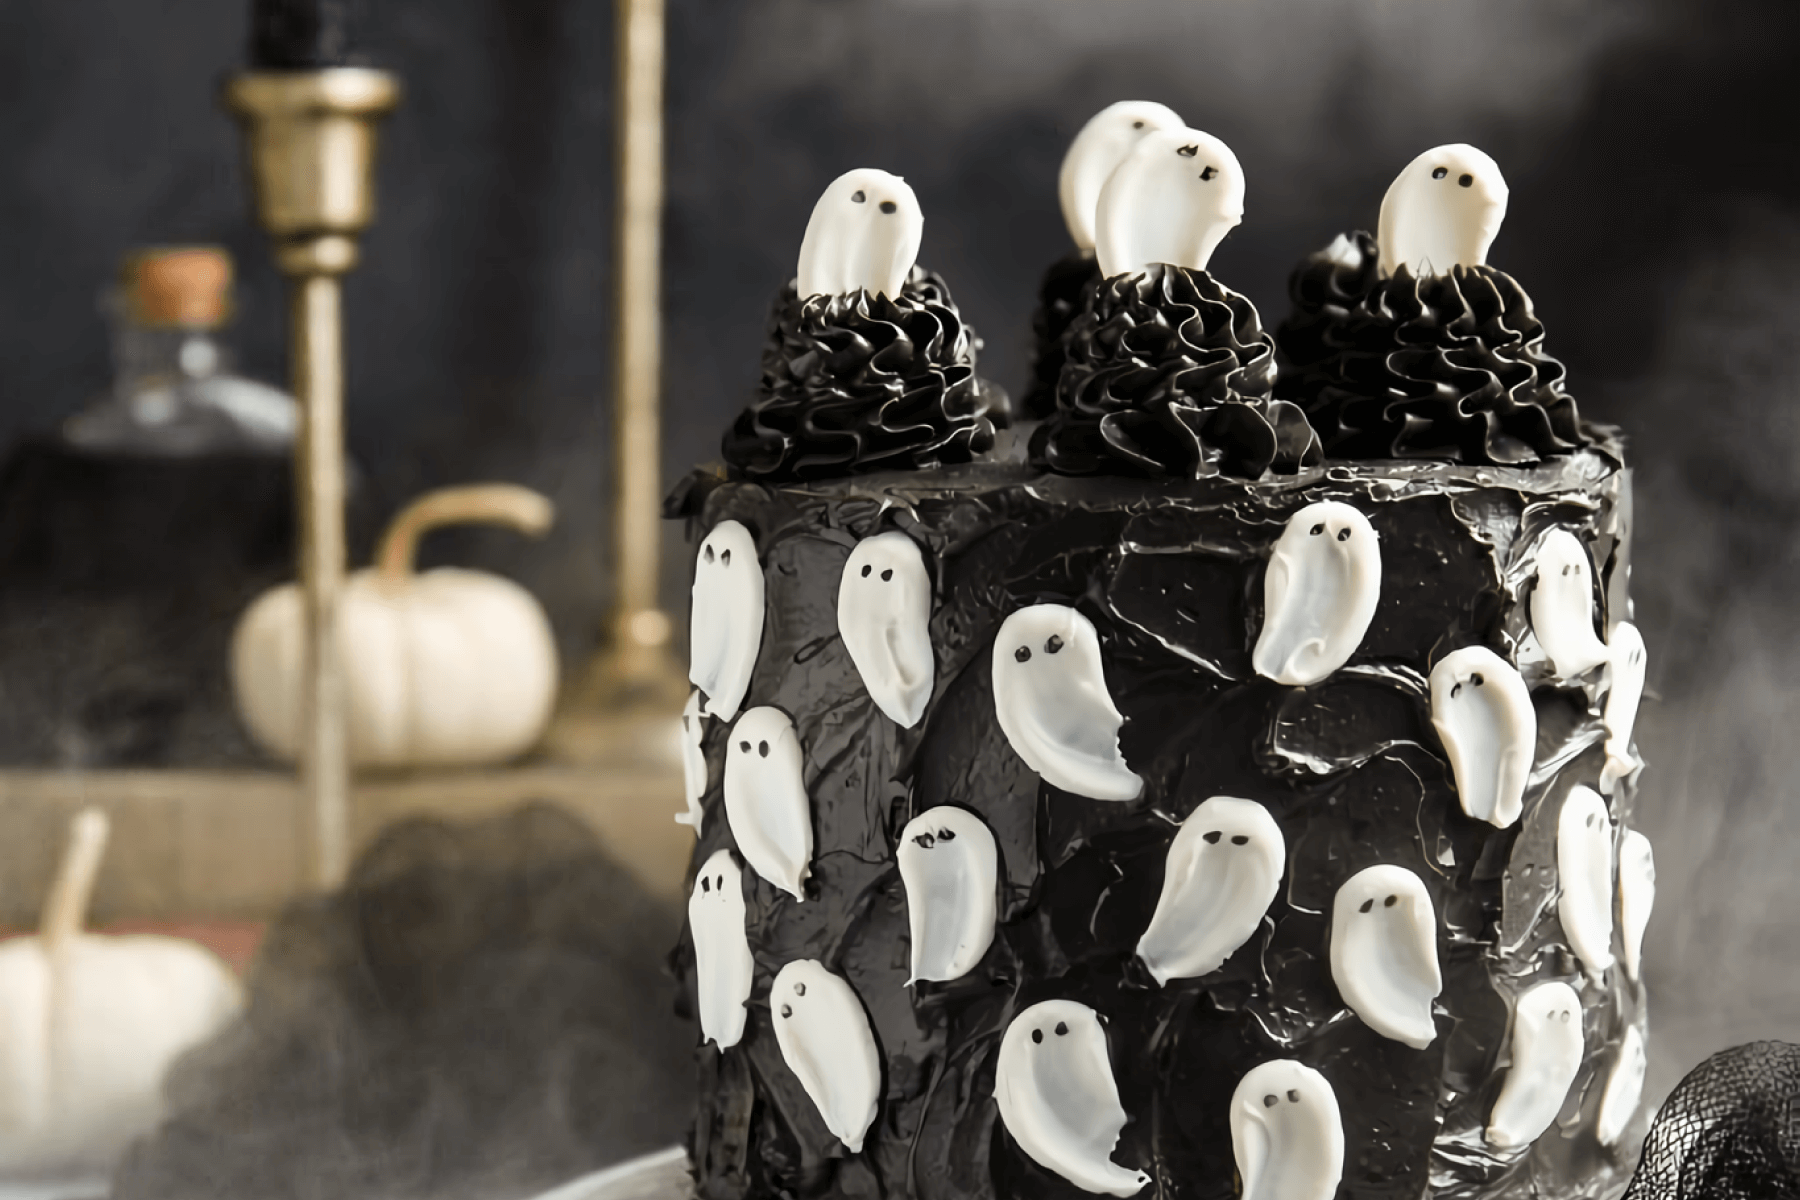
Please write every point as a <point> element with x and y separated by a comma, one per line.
<point>1168,374</point>
<point>1439,366</point>
<point>1171,574</point>
<point>857,383</point>
<point>1061,298</point>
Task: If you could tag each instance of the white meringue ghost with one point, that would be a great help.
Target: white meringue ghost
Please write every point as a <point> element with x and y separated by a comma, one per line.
<point>1384,952</point>
<point>1054,1084</point>
<point>1172,199</point>
<point>950,867</point>
<point>1637,897</point>
<point>864,233</point>
<point>1051,700</point>
<point>1224,869</point>
<point>1584,863</point>
<point>693,763</point>
<point>1625,668</point>
<point>825,1039</point>
<point>1482,710</point>
<point>726,622</point>
<point>723,966</point>
<point>1562,605</point>
<point>1096,152</point>
<point>1319,594</point>
<point>1287,1133</point>
<point>765,799</point>
<point>884,617</point>
<point>1624,1088</point>
<point>1546,1055</point>
<point>1442,211</point>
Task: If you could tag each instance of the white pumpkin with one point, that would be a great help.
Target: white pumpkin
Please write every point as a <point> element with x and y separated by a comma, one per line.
<point>89,1025</point>
<point>448,667</point>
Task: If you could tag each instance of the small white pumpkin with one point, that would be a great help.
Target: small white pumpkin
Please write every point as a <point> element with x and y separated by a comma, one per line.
<point>90,1024</point>
<point>449,667</point>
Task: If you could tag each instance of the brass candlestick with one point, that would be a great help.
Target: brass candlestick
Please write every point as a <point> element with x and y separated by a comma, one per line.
<point>635,671</point>
<point>311,142</point>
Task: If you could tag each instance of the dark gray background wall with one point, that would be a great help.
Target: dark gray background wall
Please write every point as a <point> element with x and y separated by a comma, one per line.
<point>1655,217</point>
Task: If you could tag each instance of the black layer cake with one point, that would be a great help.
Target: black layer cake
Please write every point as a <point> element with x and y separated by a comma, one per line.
<point>1188,807</point>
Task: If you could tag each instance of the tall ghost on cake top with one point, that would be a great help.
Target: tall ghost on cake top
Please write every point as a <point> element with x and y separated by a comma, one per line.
<point>1171,200</point>
<point>1409,345</point>
<point>868,365</point>
<point>1442,211</point>
<point>1167,373</point>
<point>1103,143</point>
<point>864,234</point>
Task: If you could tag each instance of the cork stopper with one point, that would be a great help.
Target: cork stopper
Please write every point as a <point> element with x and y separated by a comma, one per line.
<point>188,286</point>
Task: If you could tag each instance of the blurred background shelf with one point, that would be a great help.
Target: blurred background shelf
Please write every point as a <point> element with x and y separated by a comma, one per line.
<point>227,844</point>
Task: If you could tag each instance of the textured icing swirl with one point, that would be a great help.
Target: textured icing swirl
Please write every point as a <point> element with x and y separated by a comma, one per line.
<point>1168,374</point>
<point>853,383</point>
<point>1440,366</point>
<point>1061,297</point>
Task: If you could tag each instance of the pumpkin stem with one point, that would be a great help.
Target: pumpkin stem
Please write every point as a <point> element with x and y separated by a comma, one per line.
<point>478,503</point>
<point>66,906</point>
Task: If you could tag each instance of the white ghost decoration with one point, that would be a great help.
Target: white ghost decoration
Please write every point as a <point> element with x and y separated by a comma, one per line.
<point>1096,152</point>
<point>765,799</point>
<point>1384,953</point>
<point>693,762</point>
<point>1224,868</point>
<point>1482,710</point>
<point>1546,1054</point>
<point>1319,594</point>
<point>824,1036</point>
<point>1442,211</point>
<point>1637,896</point>
<point>1625,667</point>
<point>1584,866</point>
<point>884,617</point>
<point>951,870</point>
<point>1286,1133</point>
<point>1172,199</point>
<point>723,967</point>
<point>864,233</point>
<point>1562,606</point>
<point>1051,700</point>
<point>726,621</point>
<point>1055,1088</point>
<point>1624,1088</point>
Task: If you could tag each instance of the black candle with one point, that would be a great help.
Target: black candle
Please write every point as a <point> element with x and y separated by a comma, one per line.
<point>307,35</point>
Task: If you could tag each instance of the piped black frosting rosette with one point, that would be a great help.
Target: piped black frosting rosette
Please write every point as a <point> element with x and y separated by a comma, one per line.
<point>1439,366</point>
<point>1168,374</point>
<point>1061,298</point>
<point>856,383</point>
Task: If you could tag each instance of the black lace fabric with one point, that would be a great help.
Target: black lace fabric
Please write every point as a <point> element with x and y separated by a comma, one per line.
<point>1168,375</point>
<point>1438,366</point>
<point>857,383</point>
<point>1729,1131</point>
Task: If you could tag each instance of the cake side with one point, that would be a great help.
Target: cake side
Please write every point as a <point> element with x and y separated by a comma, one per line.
<point>1351,769</point>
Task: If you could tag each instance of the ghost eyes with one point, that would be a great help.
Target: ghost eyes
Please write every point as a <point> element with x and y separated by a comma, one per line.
<point>1206,176</point>
<point>1022,654</point>
<point>1318,529</point>
<point>1188,151</point>
<point>1475,679</point>
<point>887,576</point>
<point>709,553</point>
<point>1271,1100</point>
<point>889,207</point>
<point>1344,534</point>
<point>707,885</point>
<point>1062,1029</point>
<point>1212,837</point>
<point>1465,180</point>
<point>1137,124</point>
<point>928,840</point>
<point>1369,904</point>
<point>1437,174</point>
<point>1053,645</point>
<point>744,746</point>
<point>762,748</point>
<point>859,197</point>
